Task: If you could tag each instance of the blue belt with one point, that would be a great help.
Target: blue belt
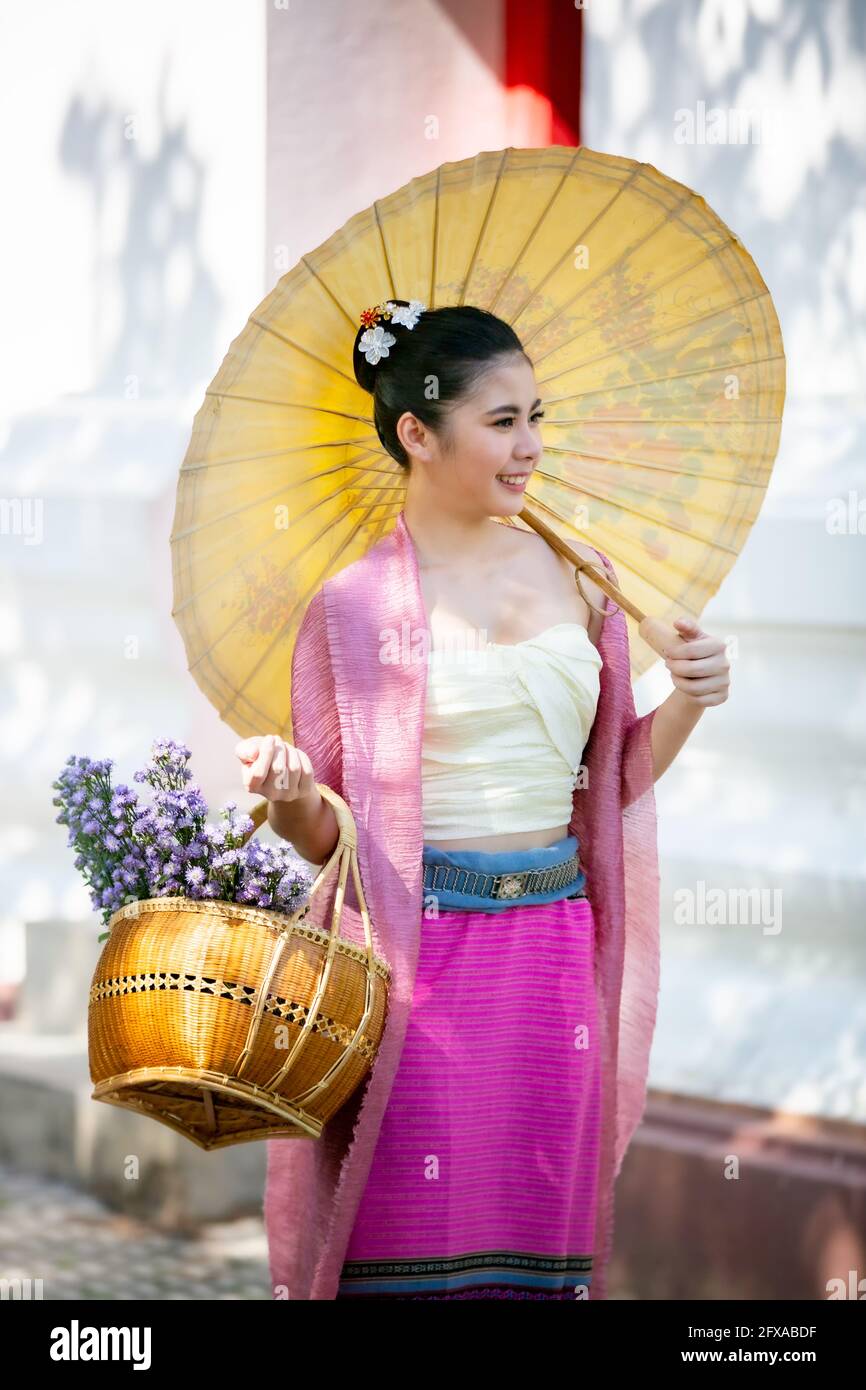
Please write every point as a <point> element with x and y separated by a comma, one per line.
<point>492,881</point>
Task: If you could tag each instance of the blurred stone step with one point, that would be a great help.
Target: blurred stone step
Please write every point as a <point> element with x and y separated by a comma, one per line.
<point>51,1126</point>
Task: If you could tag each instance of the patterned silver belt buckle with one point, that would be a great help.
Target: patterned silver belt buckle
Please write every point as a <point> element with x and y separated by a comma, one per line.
<point>512,885</point>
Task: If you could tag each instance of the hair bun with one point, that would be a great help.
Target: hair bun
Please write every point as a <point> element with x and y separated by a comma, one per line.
<point>366,370</point>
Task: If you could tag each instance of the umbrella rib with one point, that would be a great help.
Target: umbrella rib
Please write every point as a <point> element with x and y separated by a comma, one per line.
<point>288,405</point>
<point>274,453</point>
<point>432,292</point>
<point>329,292</point>
<point>667,525</point>
<point>650,380</point>
<point>611,269</point>
<point>393,294</point>
<point>340,467</point>
<point>636,299</point>
<point>251,554</point>
<point>365,516</point>
<point>684,447</point>
<point>298,347</point>
<point>288,623</point>
<point>344,464</point>
<point>541,216</point>
<point>662,333</point>
<point>640,463</point>
<point>257,502</point>
<point>355,324</point>
<point>483,229</point>
<point>581,236</point>
<point>260,501</point>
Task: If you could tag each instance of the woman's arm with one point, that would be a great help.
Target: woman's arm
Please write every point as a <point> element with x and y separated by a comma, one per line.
<point>700,671</point>
<point>309,823</point>
<point>674,720</point>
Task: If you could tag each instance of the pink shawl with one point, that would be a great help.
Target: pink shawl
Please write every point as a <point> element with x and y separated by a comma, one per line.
<point>360,719</point>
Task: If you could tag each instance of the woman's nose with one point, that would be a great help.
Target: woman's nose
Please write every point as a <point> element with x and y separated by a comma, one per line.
<point>530,450</point>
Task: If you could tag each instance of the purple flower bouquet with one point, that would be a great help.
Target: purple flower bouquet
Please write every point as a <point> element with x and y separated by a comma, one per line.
<point>167,849</point>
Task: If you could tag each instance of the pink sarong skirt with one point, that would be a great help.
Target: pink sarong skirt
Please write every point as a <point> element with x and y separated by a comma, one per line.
<point>483,1182</point>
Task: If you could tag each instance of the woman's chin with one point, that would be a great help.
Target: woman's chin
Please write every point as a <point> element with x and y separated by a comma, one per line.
<point>507,501</point>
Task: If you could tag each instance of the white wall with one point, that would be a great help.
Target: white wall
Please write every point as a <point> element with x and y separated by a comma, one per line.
<point>770,790</point>
<point>362,98</point>
<point>133,161</point>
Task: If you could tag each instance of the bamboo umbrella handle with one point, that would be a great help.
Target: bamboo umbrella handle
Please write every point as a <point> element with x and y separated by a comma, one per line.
<point>661,636</point>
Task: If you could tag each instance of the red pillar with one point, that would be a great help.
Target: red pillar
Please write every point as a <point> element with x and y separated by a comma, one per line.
<point>543,47</point>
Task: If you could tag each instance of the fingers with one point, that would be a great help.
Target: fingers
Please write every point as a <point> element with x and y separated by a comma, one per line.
<point>287,780</point>
<point>699,667</point>
<point>696,666</point>
<point>308,778</point>
<point>274,768</point>
<point>247,748</point>
<point>695,685</point>
<point>299,776</point>
<point>689,626</point>
<point>262,764</point>
<point>257,755</point>
<point>279,765</point>
<point>697,646</point>
<point>306,765</point>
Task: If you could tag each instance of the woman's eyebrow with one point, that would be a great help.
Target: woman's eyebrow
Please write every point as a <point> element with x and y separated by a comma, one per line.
<point>514,409</point>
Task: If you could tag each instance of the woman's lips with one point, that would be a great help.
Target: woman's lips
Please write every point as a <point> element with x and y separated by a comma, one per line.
<point>514,487</point>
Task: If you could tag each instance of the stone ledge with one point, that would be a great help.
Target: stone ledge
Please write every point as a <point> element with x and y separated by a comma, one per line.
<point>54,1128</point>
<point>793,1219</point>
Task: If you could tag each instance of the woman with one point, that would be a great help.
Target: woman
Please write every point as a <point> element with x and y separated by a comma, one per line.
<point>501,785</point>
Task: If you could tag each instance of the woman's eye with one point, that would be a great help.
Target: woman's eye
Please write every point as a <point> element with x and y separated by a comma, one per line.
<point>508,419</point>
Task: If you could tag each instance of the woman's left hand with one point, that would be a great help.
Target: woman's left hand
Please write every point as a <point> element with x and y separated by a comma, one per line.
<point>700,669</point>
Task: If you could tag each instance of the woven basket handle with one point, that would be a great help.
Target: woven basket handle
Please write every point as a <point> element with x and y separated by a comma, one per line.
<point>343,859</point>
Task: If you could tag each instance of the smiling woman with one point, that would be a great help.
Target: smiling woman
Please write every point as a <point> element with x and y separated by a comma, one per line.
<point>491,1169</point>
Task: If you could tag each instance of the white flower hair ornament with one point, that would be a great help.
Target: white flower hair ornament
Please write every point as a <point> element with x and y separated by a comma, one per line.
<point>377,342</point>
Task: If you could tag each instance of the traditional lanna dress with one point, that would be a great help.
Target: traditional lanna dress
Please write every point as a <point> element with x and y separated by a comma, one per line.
<point>479,1159</point>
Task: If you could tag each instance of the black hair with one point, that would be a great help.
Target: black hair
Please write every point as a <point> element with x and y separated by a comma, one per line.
<point>449,349</point>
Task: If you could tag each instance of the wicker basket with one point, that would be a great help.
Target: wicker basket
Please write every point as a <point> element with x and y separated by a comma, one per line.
<point>230,1023</point>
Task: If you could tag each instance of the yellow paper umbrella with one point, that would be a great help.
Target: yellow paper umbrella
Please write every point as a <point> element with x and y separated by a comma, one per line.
<point>658,357</point>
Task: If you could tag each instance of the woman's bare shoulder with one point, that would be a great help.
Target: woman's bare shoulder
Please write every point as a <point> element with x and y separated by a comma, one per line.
<point>517,535</point>
<point>553,568</point>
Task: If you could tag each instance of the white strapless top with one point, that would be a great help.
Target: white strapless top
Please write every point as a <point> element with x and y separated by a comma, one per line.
<point>504,730</point>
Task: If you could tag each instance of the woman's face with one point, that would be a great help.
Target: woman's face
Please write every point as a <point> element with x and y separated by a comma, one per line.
<point>496,431</point>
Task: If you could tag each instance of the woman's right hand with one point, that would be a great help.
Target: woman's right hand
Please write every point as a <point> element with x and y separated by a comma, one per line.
<point>275,769</point>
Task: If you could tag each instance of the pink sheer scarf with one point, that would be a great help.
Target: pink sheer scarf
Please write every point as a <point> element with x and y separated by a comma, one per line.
<point>360,719</point>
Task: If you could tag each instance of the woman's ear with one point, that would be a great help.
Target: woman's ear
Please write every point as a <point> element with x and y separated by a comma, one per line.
<point>414,436</point>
